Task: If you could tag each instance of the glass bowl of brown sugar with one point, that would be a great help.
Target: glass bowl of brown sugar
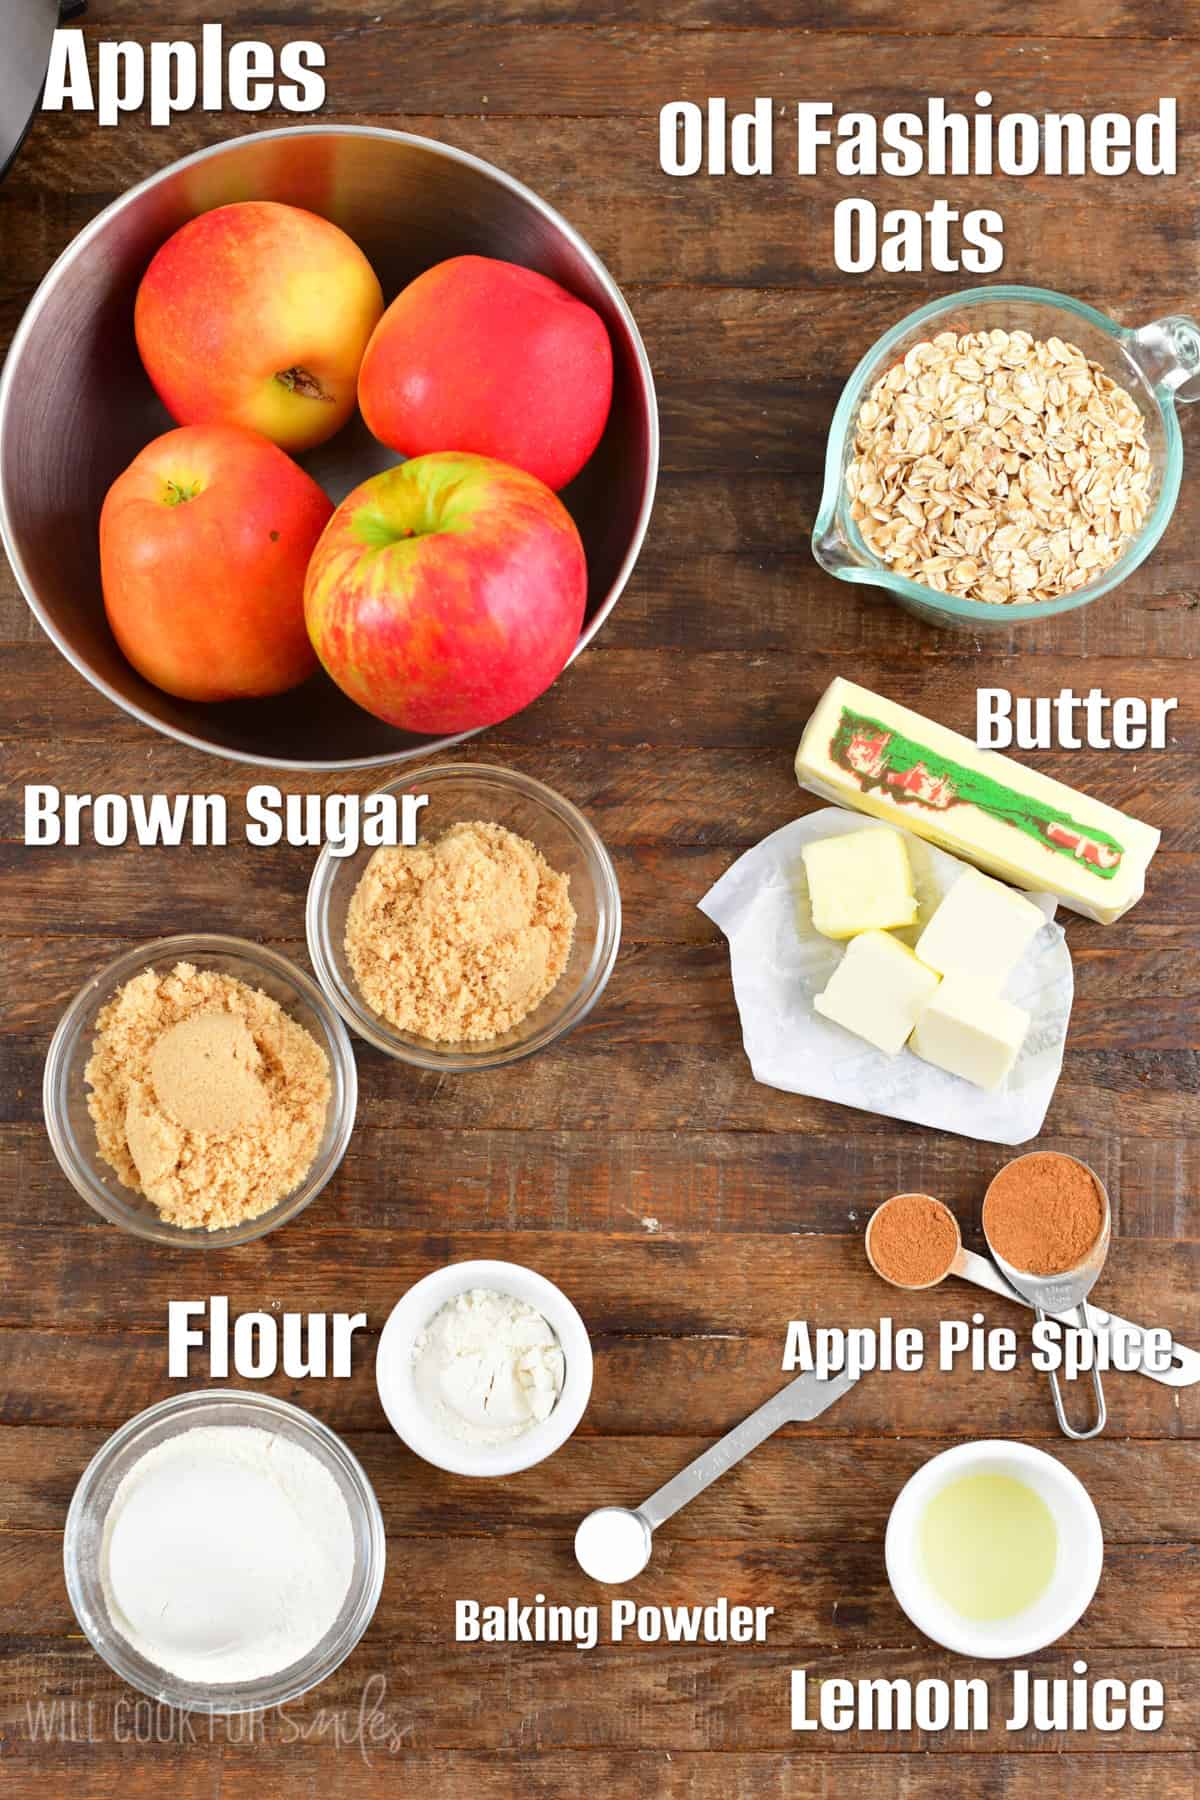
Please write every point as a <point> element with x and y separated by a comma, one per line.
<point>430,952</point>
<point>69,1096</point>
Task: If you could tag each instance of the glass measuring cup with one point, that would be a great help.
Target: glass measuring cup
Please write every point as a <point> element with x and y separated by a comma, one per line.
<point>1063,1293</point>
<point>1159,365</point>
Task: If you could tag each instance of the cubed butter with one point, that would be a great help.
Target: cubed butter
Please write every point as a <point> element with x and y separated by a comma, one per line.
<point>860,749</point>
<point>968,1030</point>
<point>861,881</point>
<point>878,991</point>
<point>981,929</point>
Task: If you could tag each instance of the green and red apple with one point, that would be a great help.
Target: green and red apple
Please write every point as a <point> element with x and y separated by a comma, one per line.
<point>492,358</point>
<point>204,545</point>
<point>447,593</point>
<point>258,314</point>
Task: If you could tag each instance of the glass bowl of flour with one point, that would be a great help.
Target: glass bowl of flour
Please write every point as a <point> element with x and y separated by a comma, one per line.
<point>224,1552</point>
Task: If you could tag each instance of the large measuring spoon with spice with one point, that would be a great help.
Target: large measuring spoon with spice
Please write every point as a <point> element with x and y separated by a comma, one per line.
<point>1048,1223</point>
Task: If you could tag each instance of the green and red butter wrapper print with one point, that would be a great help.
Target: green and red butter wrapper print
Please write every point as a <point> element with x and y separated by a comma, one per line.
<point>912,775</point>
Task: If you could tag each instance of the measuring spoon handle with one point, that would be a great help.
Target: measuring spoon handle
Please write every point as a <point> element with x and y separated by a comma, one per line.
<point>803,1398</point>
<point>1185,1363</point>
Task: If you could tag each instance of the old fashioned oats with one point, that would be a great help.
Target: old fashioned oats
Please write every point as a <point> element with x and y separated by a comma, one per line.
<point>999,467</point>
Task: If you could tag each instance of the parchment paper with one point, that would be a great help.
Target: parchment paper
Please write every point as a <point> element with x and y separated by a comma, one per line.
<point>779,961</point>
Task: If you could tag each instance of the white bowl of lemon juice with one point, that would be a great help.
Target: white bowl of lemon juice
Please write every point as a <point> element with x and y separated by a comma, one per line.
<point>994,1549</point>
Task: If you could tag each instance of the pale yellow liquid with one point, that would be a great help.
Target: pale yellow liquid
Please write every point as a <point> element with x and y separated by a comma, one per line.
<point>989,1545</point>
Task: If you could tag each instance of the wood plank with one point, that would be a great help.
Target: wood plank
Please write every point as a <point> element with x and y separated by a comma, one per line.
<point>725,1370</point>
<point>831,1595</point>
<point>629,1181</point>
<point>633,697</point>
<point>1107,19</point>
<point>666,1700</point>
<point>647,797</point>
<point>660,1085</point>
<point>677,1286</point>
<point>770,233</point>
<point>781,1497</point>
<point>602,70</point>
<point>333,1768</point>
<point>756,599</point>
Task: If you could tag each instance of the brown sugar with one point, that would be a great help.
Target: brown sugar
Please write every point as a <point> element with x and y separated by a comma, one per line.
<point>205,1095</point>
<point>1043,1212</point>
<point>460,939</point>
<point>913,1240</point>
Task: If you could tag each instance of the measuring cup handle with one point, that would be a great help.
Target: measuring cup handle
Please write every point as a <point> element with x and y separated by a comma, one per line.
<point>1065,1426</point>
<point>1168,353</point>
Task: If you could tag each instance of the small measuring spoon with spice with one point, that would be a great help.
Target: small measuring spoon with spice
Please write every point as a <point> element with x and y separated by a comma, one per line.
<point>1048,1223</point>
<point>913,1241</point>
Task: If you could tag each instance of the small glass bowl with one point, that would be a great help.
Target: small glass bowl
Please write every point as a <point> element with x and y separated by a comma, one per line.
<point>83,1538</point>
<point>1155,365</point>
<point>464,792</point>
<point>65,1093</point>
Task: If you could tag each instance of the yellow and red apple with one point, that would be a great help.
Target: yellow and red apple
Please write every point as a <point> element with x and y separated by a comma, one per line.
<point>447,593</point>
<point>204,544</point>
<point>492,358</point>
<point>258,314</point>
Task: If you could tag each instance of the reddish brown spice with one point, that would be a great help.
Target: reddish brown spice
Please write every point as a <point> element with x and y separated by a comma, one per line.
<point>913,1240</point>
<point>1043,1213</point>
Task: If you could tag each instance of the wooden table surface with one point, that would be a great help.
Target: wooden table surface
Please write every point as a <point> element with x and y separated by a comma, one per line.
<point>689,1212</point>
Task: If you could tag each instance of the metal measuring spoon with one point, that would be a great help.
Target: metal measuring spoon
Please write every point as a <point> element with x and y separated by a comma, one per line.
<point>613,1543</point>
<point>979,1270</point>
<point>1059,1294</point>
<point>1184,1370</point>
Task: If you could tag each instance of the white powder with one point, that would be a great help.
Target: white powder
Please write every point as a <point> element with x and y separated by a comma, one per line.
<point>227,1553</point>
<point>612,1544</point>
<point>487,1367</point>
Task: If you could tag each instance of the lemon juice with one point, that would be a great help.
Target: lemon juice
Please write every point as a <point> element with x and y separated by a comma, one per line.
<point>989,1545</point>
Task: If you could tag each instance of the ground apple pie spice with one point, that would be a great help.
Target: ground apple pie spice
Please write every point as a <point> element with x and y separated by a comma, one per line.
<point>1043,1213</point>
<point>206,1096</point>
<point>460,939</point>
<point>912,1240</point>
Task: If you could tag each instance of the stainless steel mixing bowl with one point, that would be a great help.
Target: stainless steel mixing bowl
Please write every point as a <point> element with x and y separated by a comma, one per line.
<point>76,405</point>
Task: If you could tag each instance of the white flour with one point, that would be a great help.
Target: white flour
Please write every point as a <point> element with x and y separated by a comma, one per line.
<point>487,1367</point>
<point>227,1553</point>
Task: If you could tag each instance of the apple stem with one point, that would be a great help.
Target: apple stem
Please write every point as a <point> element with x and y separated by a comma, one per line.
<point>178,492</point>
<point>302,381</point>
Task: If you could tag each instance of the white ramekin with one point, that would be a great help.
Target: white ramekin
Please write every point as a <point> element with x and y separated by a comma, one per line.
<point>397,1390</point>
<point>1076,1571</point>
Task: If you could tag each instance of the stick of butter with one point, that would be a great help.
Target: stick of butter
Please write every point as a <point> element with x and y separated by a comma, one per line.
<point>877,991</point>
<point>866,752</point>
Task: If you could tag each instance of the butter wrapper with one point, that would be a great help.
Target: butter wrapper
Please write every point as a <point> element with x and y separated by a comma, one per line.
<point>779,961</point>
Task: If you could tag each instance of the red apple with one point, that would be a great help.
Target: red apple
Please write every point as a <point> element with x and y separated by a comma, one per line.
<point>204,542</point>
<point>490,357</point>
<point>447,593</point>
<point>258,314</point>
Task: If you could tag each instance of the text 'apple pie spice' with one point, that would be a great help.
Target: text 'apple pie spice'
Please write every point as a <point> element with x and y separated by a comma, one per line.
<point>912,1240</point>
<point>1043,1212</point>
<point>459,939</point>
